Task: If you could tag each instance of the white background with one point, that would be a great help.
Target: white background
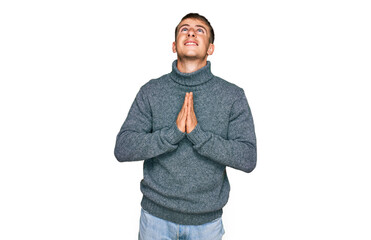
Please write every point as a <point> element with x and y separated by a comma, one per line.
<point>70,71</point>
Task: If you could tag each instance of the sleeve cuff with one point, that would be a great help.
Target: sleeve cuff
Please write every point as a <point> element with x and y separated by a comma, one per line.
<point>174,134</point>
<point>197,135</point>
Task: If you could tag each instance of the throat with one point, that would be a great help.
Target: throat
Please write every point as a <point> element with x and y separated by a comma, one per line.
<point>190,65</point>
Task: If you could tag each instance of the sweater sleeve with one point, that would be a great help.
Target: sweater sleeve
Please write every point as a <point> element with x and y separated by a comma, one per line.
<point>136,141</point>
<point>239,150</point>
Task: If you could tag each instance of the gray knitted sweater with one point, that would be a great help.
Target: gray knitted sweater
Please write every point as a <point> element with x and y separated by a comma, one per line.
<point>184,175</point>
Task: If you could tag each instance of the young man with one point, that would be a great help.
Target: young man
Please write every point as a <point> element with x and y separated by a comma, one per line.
<point>187,126</point>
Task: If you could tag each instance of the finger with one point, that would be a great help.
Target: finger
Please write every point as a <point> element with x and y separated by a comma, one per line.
<point>185,101</point>
<point>188,101</point>
<point>191,102</point>
<point>193,109</point>
<point>185,113</point>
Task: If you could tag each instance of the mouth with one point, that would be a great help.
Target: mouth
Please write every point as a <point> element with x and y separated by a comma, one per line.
<point>190,43</point>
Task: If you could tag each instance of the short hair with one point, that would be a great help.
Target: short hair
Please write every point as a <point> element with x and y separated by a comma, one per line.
<point>201,18</point>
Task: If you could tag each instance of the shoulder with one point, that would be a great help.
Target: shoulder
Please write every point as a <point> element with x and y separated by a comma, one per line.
<point>154,84</point>
<point>228,88</point>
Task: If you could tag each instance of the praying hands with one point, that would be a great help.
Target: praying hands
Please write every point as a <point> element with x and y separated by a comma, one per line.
<point>187,120</point>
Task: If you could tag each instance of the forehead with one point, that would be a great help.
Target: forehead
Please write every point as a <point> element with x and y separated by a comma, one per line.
<point>192,22</point>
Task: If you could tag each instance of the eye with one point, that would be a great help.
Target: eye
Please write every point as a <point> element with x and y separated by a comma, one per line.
<point>184,29</point>
<point>200,30</point>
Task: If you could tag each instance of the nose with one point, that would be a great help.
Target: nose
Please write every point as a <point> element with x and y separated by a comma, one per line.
<point>191,32</point>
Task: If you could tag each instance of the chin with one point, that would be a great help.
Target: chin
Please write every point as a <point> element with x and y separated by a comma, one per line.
<point>191,55</point>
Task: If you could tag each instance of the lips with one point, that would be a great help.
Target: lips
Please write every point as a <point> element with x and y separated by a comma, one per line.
<point>191,43</point>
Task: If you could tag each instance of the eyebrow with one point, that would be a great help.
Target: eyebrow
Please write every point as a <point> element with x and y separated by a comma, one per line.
<point>195,25</point>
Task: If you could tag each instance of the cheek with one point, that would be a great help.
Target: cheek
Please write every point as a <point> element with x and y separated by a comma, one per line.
<point>178,45</point>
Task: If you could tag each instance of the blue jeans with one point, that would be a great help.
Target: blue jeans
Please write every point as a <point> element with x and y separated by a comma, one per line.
<point>154,228</point>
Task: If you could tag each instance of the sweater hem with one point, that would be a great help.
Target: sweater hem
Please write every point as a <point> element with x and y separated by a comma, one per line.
<point>179,217</point>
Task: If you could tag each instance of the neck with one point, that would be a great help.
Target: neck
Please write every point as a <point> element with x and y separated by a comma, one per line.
<point>193,79</point>
<point>190,65</point>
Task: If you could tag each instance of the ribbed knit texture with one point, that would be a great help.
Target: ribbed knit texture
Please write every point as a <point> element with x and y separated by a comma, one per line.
<point>184,175</point>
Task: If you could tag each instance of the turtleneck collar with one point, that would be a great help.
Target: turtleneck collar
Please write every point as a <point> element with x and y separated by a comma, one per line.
<point>194,78</point>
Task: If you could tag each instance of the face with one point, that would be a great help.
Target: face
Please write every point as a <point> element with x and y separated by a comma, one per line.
<point>192,41</point>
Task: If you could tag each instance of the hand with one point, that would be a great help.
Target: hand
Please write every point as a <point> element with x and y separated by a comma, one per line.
<point>182,116</point>
<point>191,121</point>
<point>187,120</point>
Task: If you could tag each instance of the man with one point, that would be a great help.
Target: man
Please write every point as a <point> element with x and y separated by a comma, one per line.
<point>187,126</point>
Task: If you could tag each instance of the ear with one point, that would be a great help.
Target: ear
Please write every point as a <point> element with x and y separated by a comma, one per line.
<point>211,48</point>
<point>174,47</point>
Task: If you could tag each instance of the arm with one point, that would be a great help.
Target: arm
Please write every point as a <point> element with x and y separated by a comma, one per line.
<point>239,150</point>
<point>136,141</point>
